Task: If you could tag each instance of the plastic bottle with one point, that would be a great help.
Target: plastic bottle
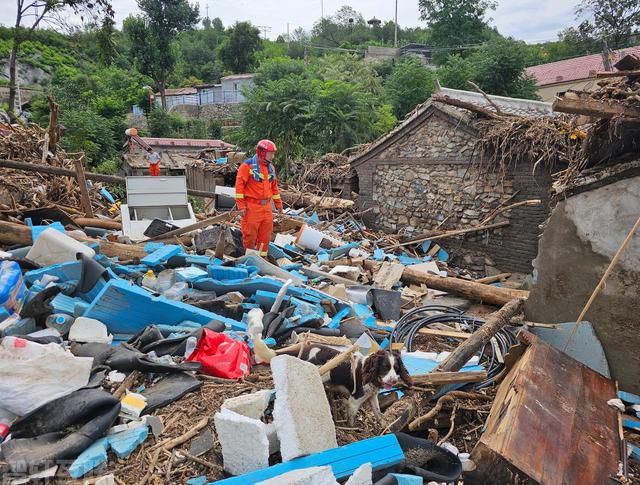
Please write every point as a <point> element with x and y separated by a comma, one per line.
<point>60,321</point>
<point>177,291</point>
<point>150,281</point>
<point>190,346</point>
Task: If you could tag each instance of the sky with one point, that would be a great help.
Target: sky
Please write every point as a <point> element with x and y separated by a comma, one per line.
<point>528,20</point>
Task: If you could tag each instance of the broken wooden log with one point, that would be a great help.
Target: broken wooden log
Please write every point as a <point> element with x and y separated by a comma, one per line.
<point>317,201</point>
<point>469,289</point>
<point>100,223</point>
<point>20,235</point>
<point>595,108</point>
<point>605,74</point>
<point>470,347</point>
<point>85,200</point>
<point>96,177</point>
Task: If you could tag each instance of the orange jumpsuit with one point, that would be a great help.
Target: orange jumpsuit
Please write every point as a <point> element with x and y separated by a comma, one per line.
<point>255,196</point>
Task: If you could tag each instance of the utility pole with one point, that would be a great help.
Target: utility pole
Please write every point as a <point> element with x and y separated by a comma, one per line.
<point>288,37</point>
<point>395,35</point>
<point>265,29</point>
<point>606,60</point>
<point>321,9</point>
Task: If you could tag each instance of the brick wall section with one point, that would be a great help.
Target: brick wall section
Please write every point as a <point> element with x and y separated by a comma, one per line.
<point>428,176</point>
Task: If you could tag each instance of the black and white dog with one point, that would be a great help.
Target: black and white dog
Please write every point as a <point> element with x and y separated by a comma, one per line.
<point>361,378</point>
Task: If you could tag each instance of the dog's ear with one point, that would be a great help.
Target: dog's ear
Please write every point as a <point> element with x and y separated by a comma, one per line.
<point>370,368</point>
<point>402,370</point>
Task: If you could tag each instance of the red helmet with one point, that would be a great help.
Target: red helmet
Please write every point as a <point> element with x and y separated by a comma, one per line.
<point>265,146</point>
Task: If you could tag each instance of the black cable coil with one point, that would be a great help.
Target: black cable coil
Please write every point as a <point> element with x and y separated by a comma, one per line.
<point>427,316</point>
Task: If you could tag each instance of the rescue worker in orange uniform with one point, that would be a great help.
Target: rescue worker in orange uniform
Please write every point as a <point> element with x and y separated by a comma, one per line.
<point>256,187</point>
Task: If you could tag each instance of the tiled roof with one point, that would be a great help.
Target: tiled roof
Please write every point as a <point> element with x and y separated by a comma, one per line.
<point>521,107</point>
<point>186,142</point>
<point>584,67</point>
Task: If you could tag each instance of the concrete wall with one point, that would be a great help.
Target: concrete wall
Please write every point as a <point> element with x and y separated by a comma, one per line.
<point>427,177</point>
<point>580,239</point>
<point>548,93</point>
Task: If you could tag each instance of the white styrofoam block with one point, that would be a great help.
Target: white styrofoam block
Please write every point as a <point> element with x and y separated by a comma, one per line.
<point>250,405</point>
<point>301,413</point>
<point>244,442</point>
<point>362,476</point>
<point>89,330</point>
<point>317,475</point>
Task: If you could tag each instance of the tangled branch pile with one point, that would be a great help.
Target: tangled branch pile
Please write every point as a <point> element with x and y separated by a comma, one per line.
<point>552,142</point>
<point>25,190</point>
<point>322,177</point>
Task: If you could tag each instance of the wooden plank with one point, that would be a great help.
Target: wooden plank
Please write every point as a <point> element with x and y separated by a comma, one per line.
<point>549,423</point>
<point>442,378</point>
<point>388,275</point>
<point>381,451</point>
<point>85,200</point>
<point>592,107</point>
<point>494,278</point>
<point>444,333</point>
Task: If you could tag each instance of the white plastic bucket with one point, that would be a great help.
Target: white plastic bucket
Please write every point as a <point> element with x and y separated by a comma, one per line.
<point>310,238</point>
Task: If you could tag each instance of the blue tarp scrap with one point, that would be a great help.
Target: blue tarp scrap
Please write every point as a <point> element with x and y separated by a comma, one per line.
<point>312,219</point>
<point>442,255</point>
<point>425,246</point>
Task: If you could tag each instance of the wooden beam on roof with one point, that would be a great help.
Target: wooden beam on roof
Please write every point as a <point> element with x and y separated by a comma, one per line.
<point>592,107</point>
<point>602,74</point>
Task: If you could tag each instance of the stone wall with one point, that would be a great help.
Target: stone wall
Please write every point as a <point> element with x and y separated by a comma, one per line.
<point>581,237</point>
<point>428,179</point>
<point>221,112</point>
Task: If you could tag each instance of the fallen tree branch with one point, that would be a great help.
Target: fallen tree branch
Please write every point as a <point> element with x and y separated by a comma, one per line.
<point>441,378</point>
<point>456,232</point>
<point>172,443</point>
<point>499,211</point>
<point>450,397</point>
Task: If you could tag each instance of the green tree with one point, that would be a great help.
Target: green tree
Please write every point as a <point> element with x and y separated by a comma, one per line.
<point>500,69</point>
<point>278,68</point>
<point>279,110</point>
<point>342,116</point>
<point>456,72</point>
<point>238,51</point>
<point>349,68</point>
<point>36,13</point>
<point>153,36</point>
<point>613,20</point>
<point>409,85</point>
<point>456,22</point>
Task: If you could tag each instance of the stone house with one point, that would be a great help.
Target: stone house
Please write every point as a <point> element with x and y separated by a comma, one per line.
<point>425,175</point>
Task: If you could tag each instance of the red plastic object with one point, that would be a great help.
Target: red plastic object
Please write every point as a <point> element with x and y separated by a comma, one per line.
<point>221,356</point>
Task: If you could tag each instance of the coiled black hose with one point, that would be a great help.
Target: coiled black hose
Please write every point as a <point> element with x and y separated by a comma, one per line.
<point>427,316</point>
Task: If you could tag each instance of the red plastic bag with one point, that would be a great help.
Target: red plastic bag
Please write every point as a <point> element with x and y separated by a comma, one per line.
<point>221,356</point>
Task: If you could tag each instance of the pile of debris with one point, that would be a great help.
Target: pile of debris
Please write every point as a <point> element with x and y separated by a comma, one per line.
<point>331,175</point>
<point>184,358</point>
<point>20,190</point>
